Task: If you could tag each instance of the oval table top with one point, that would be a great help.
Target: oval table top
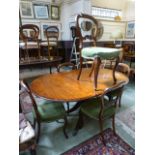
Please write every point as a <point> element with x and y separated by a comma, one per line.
<point>64,86</point>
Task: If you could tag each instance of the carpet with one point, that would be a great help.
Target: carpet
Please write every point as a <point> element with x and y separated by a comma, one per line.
<point>127,117</point>
<point>94,146</point>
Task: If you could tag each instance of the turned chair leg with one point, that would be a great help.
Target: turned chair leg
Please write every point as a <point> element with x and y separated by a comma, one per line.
<point>92,68</point>
<point>97,62</point>
<point>81,61</point>
<point>65,125</point>
<point>114,69</point>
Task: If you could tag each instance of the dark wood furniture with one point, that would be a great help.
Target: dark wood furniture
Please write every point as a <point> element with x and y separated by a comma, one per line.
<point>52,35</point>
<point>65,87</point>
<point>99,108</point>
<point>41,63</point>
<point>47,112</point>
<point>125,69</point>
<point>129,52</point>
<point>89,29</point>
<point>29,40</point>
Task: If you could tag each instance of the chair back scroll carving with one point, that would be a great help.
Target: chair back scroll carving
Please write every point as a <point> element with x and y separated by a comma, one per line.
<point>29,35</point>
<point>87,28</point>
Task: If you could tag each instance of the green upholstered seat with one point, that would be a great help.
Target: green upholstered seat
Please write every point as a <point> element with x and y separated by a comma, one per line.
<point>51,111</point>
<point>102,52</point>
<point>92,108</point>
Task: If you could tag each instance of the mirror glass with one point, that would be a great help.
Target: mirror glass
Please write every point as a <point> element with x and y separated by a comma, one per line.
<point>86,25</point>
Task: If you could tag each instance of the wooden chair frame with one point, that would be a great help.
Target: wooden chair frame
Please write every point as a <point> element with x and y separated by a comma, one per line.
<point>93,37</point>
<point>118,89</point>
<point>26,38</point>
<point>38,119</point>
<point>51,34</point>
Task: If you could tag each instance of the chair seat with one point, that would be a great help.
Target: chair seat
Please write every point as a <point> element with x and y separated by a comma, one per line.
<point>30,45</point>
<point>102,52</point>
<point>26,132</point>
<point>92,108</point>
<point>51,111</point>
<point>50,43</point>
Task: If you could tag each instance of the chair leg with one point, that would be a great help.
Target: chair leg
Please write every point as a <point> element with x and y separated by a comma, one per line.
<point>119,101</point>
<point>49,56</point>
<point>81,61</point>
<point>97,62</point>
<point>67,106</point>
<point>114,69</point>
<point>101,131</point>
<point>65,125</point>
<point>113,124</point>
<point>92,68</point>
<point>79,124</point>
<point>38,134</point>
<point>33,151</point>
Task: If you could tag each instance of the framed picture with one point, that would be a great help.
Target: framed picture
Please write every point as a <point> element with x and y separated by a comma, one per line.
<point>130,29</point>
<point>26,9</point>
<point>55,12</point>
<point>41,11</point>
<point>44,26</point>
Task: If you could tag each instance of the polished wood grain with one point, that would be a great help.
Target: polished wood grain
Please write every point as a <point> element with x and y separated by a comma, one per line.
<point>64,86</point>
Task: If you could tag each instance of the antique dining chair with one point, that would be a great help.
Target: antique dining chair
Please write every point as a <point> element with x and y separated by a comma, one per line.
<point>29,39</point>
<point>47,112</point>
<point>62,67</point>
<point>99,108</point>
<point>129,53</point>
<point>125,69</point>
<point>87,29</point>
<point>52,35</point>
<point>27,140</point>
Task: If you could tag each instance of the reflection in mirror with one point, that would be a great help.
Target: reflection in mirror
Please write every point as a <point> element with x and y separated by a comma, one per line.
<point>86,25</point>
<point>100,30</point>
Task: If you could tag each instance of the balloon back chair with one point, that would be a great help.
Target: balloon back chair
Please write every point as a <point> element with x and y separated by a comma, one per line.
<point>29,37</point>
<point>52,35</point>
<point>47,112</point>
<point>100,108</point>
<point>88,29</point>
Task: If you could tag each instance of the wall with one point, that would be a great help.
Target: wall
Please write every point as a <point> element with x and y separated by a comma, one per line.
<point>112,29</point>
<point>127,7</point>
<point>69,10</point>
<point>41,22</point>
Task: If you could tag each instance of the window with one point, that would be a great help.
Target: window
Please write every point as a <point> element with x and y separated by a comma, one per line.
<point>106,13</point>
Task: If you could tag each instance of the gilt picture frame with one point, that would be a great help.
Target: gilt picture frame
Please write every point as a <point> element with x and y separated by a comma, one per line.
<point>55,13</point>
